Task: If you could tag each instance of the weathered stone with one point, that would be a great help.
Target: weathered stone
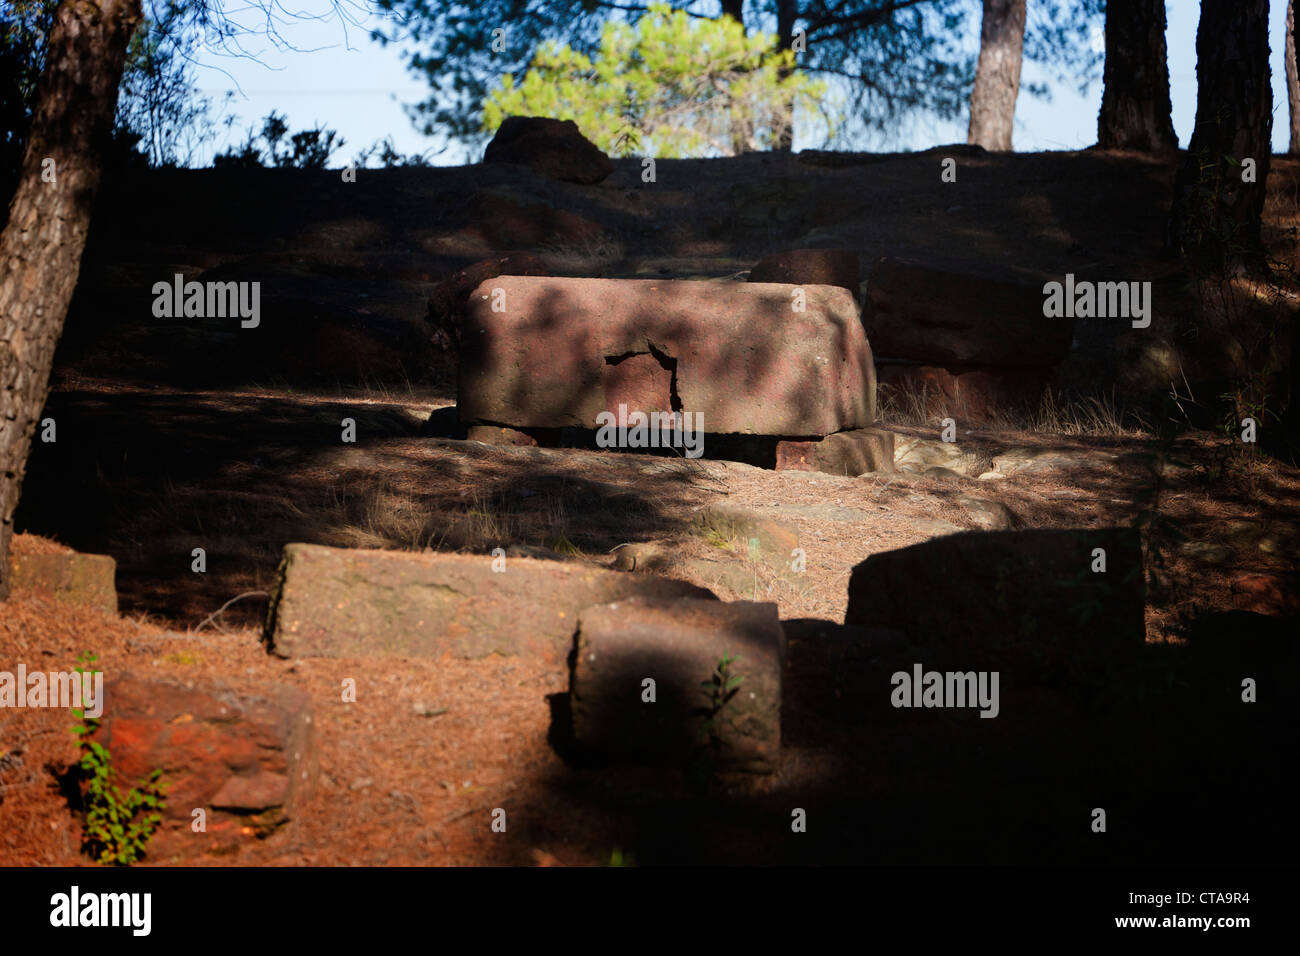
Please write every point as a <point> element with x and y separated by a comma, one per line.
<point>1212,552</point>
<point>963,313</point>
<point>496,435</point>
<point>248,759</point>
<point>729,525</point>
<point>551,147</point>
<point>917,455</point>
<point>331,602</point>
<point>939,471</point>
<point>1275,594</point>
<point>798,267</point>
<point>641,556</point>
<point>1025,599</point>
<point>727,575</point>
<point>444,423</point>
<point>977,394</point>
<point>738,353</point>
<point>987,515</point>
<point>448,298</point>
<point>1032,461</point>
<point>641,382</point>
<point>844,453</point>
<point>680,645</point>
<point>70,577</point>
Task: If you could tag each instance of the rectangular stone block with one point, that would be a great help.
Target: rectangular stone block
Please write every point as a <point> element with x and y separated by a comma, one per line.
<point>694,715</point>
<point>1029,600</point>
<point>246,758</point>
<point>752,358</point>
<point>850,453</point>
<point>71,577</point>
<point>334,602</point>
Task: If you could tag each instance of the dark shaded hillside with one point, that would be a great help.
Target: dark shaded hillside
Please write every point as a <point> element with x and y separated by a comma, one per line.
<point>360,258</point>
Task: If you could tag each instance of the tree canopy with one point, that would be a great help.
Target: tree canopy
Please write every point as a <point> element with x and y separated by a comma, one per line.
<point>671,86</point>
<point>887,59</point>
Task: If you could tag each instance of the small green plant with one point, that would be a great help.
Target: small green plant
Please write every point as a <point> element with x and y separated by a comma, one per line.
<point>619,858</point>
<point>627,138</point>
<point>562,545</point>
<point>118,826</point>
<point>722,685</point>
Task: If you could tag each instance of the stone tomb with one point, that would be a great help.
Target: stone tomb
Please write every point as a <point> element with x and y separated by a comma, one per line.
<point>760,359</point>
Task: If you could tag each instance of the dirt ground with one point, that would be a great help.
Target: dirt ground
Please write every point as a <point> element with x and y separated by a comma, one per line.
<point>152,461</point>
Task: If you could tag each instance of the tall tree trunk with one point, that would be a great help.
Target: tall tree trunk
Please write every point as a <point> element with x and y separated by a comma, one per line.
<point>1135,108</point>
<point>1292,78</point>
<point>734,9</point>
<point>1214,222</point>
<point>997,77</point>
<point>41,246</point>
<point>785,18</point>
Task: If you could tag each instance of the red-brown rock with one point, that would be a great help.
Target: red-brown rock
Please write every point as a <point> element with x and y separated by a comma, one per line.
<point>554,148</point>
<point>448,298</point>
<point>738,353</point>
<point>849,453</point>
<point>1262,593</point>
<point>247,759</point>
<point>679,645</point>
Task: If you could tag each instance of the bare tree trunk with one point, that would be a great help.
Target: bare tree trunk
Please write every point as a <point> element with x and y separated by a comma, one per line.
<point>40,249</point>
<point>1292,78</point>
<point>734,9</point>
<point>1135,107</point>
<point>1215,219</point>
<point>785,17</point>
<point>997,77</point>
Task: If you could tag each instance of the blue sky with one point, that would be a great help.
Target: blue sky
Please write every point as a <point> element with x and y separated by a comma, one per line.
<point>339,77</point>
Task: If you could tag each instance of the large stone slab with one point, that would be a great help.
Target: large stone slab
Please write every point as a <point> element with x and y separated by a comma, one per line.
<point>333,602</point>
<point>680,646</point>
<point>944,312</point>
<point>543,352</point>
<point>247,758</point>
<point>71,577</point>
<point>448,298</point>
<point>1025,599</point>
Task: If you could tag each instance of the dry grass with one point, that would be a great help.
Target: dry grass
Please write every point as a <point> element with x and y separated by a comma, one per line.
<point>1092,416</point>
